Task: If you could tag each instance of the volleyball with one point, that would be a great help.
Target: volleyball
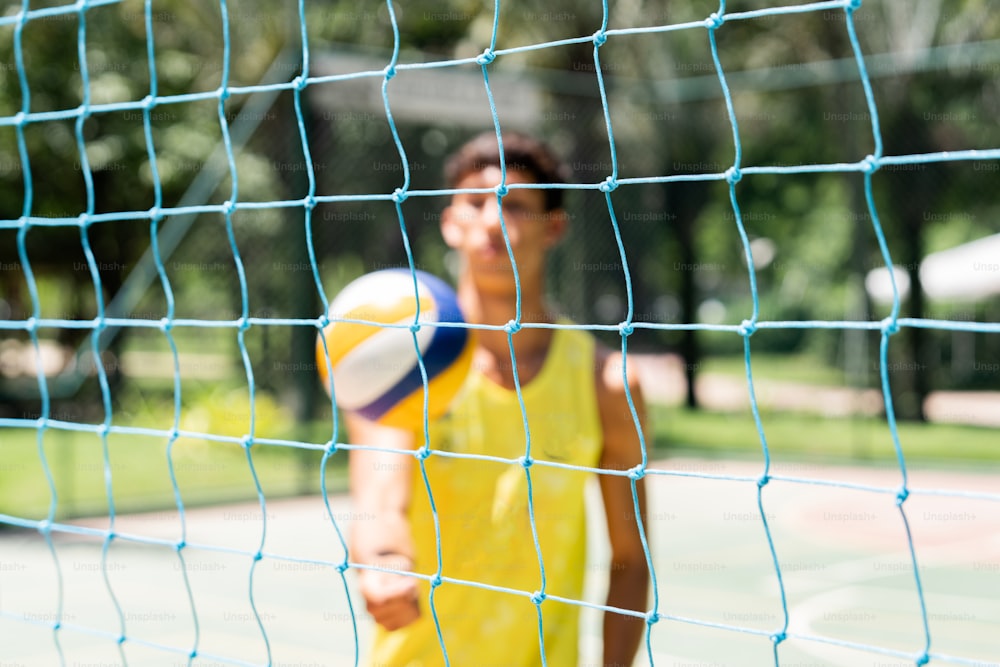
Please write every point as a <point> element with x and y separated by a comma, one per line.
<point>370,349</point>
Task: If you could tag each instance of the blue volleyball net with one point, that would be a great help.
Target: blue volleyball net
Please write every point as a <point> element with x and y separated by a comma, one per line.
<point>231,582</point>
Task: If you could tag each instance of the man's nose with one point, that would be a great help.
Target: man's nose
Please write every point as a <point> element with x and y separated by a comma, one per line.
<point>490,215</point>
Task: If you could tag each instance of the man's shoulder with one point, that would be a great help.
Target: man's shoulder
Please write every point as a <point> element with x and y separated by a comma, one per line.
<point>613,370</point>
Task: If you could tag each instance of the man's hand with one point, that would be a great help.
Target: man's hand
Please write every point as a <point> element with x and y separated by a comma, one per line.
<point>392,599</point>
<point>380,489</point>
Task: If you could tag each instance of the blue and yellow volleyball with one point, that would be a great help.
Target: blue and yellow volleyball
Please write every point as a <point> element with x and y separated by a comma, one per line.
<point>370,348</point>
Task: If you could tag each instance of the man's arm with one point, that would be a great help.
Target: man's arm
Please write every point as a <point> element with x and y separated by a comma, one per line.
<point>628,583</point>
<point>380,485</point>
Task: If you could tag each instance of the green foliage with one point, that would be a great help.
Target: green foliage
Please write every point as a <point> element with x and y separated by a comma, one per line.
<point>230,413</point>
<point>681,240</point>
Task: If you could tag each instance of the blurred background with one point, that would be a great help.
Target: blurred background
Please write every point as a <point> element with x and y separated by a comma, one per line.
<point>798,100</point>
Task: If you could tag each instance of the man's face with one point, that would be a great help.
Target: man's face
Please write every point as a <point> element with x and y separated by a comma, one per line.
<point>471,225</point>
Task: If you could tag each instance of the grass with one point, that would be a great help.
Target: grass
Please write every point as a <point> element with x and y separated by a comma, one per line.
<point>207,472</point>
<point>213,472</point>
<point>814,437</point>
<point>796,368</point>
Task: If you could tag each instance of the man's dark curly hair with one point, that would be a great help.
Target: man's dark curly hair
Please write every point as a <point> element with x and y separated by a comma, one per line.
<point>521,152</point>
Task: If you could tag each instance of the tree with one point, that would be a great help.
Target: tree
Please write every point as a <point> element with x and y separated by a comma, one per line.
<point>928,114</point>
<point>99,162</point>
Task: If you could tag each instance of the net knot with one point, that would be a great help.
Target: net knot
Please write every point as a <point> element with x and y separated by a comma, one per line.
<point>415,327</point>
<point>526,461</point>
<point>166,324</point>
<point>343,567</point>
<point>714,21</point>
<point>763,480</point>
<point>390,71</point>
<point>778,637</point>
<point>44,527</point>
<point>399,196</point>
<point>869,165</point>
<point>223,93</point>
<point>257,556</point>
<point>733,175</point>
<point>924,658</point>
<point>244,323</point>
<point>501,190</point>
<point>599,38</point>
<point>890,326</point>
<point>20,119</point>
<point>229,207</point>
<point>148,102</point>
<point>626,328</point>
<point>853,5</point>
<point>609,184</point>
<point>121,639</point>
<point>747,328</point>
<point>652,617</point>
<point>246,442</point>
<point>538,597</point>
<point>435,580</point>
<point>636,473</point>
<point>180,546</point>
<point>83,220</point>
<point>309,203</point>
<point>902,495</point>
<point>486,57</point>
<point>299,82</point>
<point>512,327</point>
<point>423,453</point>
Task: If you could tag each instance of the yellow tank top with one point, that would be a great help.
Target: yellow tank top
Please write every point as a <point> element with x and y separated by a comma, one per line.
<point>485,523</point>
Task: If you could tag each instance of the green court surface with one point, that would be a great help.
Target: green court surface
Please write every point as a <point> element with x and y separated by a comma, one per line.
<point>843,553</point>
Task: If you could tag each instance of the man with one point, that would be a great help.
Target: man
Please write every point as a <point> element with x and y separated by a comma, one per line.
<point>510,532</point>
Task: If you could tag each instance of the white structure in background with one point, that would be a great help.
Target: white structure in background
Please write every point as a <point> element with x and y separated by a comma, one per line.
<point>965,273</point>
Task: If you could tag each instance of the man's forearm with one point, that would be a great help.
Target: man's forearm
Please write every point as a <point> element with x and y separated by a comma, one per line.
<point>383,534</point>
<point>628,588</point>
